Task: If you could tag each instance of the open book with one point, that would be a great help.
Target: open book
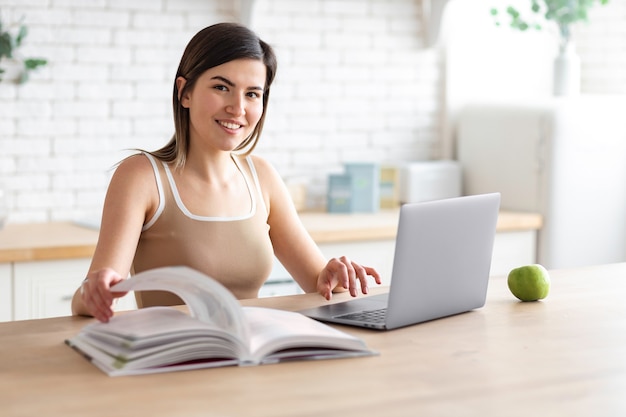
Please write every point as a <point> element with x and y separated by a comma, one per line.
<point>217,332</point>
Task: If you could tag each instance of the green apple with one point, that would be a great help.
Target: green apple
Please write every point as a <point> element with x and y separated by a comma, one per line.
<point>529,282</point>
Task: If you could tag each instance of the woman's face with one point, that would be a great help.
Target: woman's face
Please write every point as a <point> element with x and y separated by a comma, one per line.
<point>225,104</point>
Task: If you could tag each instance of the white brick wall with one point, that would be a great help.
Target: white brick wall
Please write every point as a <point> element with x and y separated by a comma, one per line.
<point>602,46</point>
<point>106,89</point>
<point>348,85</point>
<point>354,83</point>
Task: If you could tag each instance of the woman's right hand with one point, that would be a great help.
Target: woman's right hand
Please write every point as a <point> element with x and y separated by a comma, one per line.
<point>96,295</point>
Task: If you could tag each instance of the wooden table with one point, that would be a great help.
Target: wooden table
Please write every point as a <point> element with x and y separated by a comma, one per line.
<point>564,356</point>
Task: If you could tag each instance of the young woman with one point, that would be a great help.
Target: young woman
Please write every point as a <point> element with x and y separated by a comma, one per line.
<point>203,200</point>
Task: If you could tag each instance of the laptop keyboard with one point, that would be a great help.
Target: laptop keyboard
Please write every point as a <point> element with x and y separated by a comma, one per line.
<point>370,316</point>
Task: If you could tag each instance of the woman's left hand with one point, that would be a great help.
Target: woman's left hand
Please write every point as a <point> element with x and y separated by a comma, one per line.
<point>343,273</point>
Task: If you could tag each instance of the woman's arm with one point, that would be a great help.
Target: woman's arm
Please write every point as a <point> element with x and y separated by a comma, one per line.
<point>131,198</point>
<point>297,251</point>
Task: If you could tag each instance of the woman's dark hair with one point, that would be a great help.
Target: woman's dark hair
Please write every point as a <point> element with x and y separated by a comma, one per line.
<point>212,46</point>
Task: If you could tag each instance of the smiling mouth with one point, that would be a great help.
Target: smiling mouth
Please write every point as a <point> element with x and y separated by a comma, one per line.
<point>229,125</point>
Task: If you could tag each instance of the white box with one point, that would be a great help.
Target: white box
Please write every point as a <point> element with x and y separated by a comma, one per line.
<point>430,180</point>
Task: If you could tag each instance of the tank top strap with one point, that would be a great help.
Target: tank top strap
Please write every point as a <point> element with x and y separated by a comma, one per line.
<point>255,180</point>
<point>163,188</point>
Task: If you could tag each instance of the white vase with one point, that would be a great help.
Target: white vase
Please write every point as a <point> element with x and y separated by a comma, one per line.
<point>13,70</point>
<point>566,77</point>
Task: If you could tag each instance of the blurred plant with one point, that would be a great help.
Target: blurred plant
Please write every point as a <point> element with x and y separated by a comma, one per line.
<point>562,12</point>
<point>10,42</point>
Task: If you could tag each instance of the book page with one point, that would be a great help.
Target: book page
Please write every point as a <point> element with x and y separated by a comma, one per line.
<point>156,326</point>
<point>276,330</point>
<point>156,337</point>
<point>208,300</point>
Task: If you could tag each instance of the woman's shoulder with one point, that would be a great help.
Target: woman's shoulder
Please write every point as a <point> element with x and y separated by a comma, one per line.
<point>266,172</point>
<point>139,163</point>
<point>136,169</point>
<point>262,165</point>
<point>134,178</point>
<point>271,182</point>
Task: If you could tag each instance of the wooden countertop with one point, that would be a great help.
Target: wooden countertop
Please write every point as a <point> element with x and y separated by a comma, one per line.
<point>563,356</point>
<point>66,240</point>
<point>45,241</point>
<point>327,228</point>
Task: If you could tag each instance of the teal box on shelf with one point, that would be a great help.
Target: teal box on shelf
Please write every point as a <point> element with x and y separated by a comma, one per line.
<point>339,195</point>
<point>365,186</point>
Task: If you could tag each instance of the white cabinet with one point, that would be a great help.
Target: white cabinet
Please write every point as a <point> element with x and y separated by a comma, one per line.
<point>6,292</point>
<point>513,249</point>
<point>44,289</point>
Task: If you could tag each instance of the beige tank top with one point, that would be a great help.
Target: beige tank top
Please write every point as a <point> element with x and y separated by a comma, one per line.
<point>236,251</point>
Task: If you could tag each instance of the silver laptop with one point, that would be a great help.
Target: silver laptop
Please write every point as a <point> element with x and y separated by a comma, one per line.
<point>440,268</point>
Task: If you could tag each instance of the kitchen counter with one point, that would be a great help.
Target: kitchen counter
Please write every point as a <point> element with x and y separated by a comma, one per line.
<point>45,241</point>
<point>331,228</point>
<point>67,240</point>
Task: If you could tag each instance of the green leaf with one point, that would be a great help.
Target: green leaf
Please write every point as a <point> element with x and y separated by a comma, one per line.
<point>562,12</point>
<point>512,12</point>
<point>8,45</point>
<point>32,63</point>
<point>21,34</point>
<point>6,48</point>
<point>535,7</point>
